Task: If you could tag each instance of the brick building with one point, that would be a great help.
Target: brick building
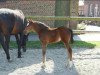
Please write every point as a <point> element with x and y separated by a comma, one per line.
<point>90,8</point>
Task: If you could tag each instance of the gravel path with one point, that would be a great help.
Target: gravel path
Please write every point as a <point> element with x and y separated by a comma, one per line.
<point>86,62</point>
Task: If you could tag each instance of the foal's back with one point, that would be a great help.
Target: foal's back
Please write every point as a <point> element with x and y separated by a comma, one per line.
<point>56,35</point>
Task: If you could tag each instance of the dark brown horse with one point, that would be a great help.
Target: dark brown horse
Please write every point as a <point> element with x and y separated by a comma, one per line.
<point>50,35</point>
<point>12,22</point>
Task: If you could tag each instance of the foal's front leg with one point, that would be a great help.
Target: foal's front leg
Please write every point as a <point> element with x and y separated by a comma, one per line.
<point>43,54</point>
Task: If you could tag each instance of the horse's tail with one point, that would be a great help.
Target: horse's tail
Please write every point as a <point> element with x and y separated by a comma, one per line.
<point>71,39</point>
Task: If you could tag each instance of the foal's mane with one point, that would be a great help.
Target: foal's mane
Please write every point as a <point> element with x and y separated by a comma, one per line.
<point>41,25</point>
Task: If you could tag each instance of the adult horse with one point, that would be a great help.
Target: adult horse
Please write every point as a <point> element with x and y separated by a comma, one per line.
<point>50,35</point>
<point>12,22</point>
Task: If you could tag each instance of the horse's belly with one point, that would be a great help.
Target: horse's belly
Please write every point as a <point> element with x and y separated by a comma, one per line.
<point>15,30</point>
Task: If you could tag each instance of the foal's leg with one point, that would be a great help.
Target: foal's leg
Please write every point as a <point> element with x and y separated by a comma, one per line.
<point>69,50</point>
<point>43,54</point>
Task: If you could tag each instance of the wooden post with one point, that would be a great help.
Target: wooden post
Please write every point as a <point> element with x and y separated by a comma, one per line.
<point>74,13</point>
<point>62,8</point>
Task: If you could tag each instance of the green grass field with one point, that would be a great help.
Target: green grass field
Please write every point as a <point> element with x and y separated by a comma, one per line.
<point>76,44</point>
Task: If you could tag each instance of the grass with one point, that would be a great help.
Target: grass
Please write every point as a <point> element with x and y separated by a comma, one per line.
<point>81,44</point>
<point>76,44</point>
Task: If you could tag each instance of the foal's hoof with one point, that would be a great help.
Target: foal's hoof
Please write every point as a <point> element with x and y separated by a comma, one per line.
<point>43,66</point>
<point>69,65</point>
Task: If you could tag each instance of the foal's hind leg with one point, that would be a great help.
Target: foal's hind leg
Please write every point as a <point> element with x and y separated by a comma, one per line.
<point>69,50</point>
<point>43,54</point>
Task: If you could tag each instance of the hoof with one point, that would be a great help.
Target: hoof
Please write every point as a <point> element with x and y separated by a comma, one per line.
<point>24,50</point>
<point>43,66</point>
<point>69,64</point>
<point>9,60</point>
<point>19,57</point>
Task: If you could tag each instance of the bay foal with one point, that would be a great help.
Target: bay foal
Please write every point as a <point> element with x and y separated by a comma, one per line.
<point>50,35</point>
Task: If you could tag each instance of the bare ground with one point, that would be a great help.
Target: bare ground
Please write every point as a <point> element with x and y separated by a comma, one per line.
<point>86,62</point>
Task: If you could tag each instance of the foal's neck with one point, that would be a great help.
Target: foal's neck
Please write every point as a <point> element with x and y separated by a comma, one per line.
<point>40,27</point>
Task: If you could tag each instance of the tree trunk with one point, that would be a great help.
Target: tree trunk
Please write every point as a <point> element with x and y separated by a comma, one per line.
<point>62,8</point>
<point>73,12</point>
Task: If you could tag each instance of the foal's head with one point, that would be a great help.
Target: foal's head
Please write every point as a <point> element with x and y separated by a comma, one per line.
<point>35,26</point>
<point>29,27</point>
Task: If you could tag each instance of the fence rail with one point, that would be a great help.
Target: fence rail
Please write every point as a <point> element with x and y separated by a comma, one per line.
<point>84,31</point>
<point>63,18</point>
<point>68,19</point>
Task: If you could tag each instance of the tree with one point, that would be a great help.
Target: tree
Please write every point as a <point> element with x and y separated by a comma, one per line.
<point>73,12</point>
<point>62,8</point>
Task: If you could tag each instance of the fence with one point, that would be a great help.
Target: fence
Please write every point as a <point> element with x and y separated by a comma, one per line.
<point>68,19</point>
<point>63,18</point>
<point>41,10</point>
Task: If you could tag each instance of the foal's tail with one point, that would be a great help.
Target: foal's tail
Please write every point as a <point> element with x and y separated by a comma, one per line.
<point>72,40</point>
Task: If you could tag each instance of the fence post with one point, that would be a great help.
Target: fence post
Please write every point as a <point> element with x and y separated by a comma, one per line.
<point>62,8</point>
<point>74,13</point>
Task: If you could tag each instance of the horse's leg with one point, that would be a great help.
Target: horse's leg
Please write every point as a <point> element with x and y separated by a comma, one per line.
<point>23,42</point>
<point>7,41</point>
<point>69,50</point>
<point>43,54</point>
<point>24,48</point>
<point>2,41</point>
<point>19,47</point>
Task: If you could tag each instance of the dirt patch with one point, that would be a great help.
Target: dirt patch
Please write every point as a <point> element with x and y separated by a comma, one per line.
<point>86,62</point>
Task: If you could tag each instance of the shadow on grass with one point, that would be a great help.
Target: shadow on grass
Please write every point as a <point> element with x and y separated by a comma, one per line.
<point>76,44</point>
<point>83,44</point>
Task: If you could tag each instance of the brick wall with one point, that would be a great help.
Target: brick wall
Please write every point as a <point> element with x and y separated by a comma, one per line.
<point>32,7</point>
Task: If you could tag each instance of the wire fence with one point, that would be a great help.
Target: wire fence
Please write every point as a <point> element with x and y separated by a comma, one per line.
<point>41,10</point>
<point>32,8</point>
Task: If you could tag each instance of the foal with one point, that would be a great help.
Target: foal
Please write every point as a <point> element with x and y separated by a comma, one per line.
<point>49,35</point>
